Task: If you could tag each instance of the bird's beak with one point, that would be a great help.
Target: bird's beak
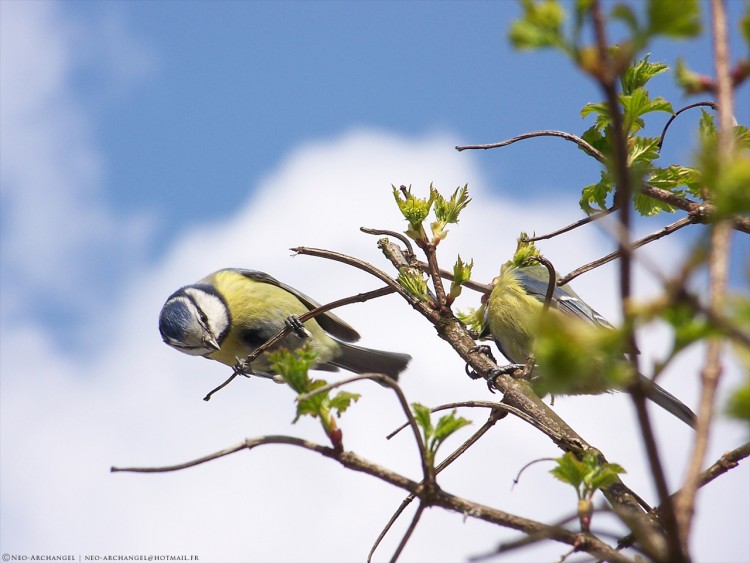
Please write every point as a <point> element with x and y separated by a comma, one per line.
<point>212,343</point>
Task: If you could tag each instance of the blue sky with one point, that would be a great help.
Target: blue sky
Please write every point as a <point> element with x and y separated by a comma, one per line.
<point>145,144</point>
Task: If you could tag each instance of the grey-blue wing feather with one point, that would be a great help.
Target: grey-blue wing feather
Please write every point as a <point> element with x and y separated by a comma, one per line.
<point>563,299</point>
<point>328,321</point>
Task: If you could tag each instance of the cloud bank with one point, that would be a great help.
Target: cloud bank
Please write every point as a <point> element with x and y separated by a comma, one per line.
<point>67,416</point>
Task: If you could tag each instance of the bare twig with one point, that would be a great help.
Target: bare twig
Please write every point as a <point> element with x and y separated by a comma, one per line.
<point>495,415</point>
<point>636,244</point>
<point>476,286</point>
<point>725,463</point>
<point>728,461</point>
<point>474,404</point>
<point>622,200</point>
<point>678,112</point>
<point>359,298</point>
<point>585,221</point>
<point>546,133</point>
<point>427,470</point>
<point>718,268</point>
<point>400,236</point>
<point>408,533</point>
<point>437,497</point>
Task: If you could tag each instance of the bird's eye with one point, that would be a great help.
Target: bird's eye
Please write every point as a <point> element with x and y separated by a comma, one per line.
<point>203,317</point>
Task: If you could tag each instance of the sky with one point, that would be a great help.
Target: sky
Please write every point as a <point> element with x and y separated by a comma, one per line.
<point>146,144</point>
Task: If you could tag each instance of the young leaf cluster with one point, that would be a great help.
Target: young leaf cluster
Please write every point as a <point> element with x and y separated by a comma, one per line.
<point>447,211</point>
<point>586,476</point>
<point>416,210</point>
<point>294,369</point>
<point>435,435</point>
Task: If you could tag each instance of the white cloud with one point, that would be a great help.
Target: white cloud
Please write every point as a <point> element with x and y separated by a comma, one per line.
<point>56,224</point>
<point>139,402</point>
<point>67,418</point>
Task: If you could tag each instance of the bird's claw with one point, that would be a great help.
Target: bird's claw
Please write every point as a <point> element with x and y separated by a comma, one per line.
<point>484,349</point>
<point>243,368</point>
<point>297,327</point>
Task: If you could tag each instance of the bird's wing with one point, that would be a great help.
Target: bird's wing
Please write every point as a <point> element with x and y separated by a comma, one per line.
<point>328,321</point>
<point>563,298</point>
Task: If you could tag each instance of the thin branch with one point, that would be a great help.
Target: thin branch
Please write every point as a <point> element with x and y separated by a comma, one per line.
<point>702,210</point>
<point>678,112</point>
<point>519,394</point>
<point>475,404</point>
<point>400,236</point>
<point>622,200</point>
<point>677,225</point>
<point>545,133</point>
<point>529,464</point>
<point>728,461</point>
<point>427,470</point>
<point>725,463</point>
<point>359,264</point>
<point>476,286</point>
<point>585,221</point>
<point>437,497</point>
<point>408,533</point>
<point>718,271</point>
<point>493,418</point>
<point>240,369</point>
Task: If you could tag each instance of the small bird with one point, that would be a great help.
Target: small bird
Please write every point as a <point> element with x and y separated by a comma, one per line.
<point>511,318</point>
<point>228,314</point>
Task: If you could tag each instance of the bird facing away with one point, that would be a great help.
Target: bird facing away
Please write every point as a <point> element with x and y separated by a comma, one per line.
<point>229,313</point>
<point>512,317</point>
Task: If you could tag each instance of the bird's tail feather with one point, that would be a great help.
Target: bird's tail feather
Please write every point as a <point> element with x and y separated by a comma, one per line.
<point>669,402</point>
<point>366,360</point>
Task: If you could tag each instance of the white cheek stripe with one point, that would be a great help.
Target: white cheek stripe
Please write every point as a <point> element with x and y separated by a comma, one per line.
<point>214,309</point>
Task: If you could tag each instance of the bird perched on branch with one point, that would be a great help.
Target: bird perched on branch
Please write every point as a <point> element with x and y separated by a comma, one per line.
<point>581,354</point>
<point>228,314</point>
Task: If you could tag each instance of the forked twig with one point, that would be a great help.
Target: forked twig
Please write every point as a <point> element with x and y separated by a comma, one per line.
<point>589,149</point>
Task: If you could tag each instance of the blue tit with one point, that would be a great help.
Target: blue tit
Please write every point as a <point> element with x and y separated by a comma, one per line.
<point>511,319</point>
<point>228,314</point>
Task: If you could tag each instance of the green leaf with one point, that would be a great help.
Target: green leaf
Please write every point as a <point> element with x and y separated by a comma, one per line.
<point>625,13</point>
<point>423,418</point>
<point>639,73</point>
<point>293,367</point>
<point>448,211</point>
<point>676,19</point>
<point>594,137</point>
<point>643,150</point>
<point>674,177</point>
<point>732,188</point>
<point>474,318</point>
<point>601,110</point>
<point>687,326</point>
<point>570,470</point>
<point>413,281</point>
<point>315,406</point>
<point>539,27</point>
<point>603,476</point>
<point>596,194</point>
<point>639,104</point>
<point>461,274</point>
<point>706,126</point>
<point>415,210</point>
<point>447,425</point>
<point>575,357</point>
<point>691,82</point>
<point>738,405</point>
<point>525,251</point>
<point>343,401</point>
